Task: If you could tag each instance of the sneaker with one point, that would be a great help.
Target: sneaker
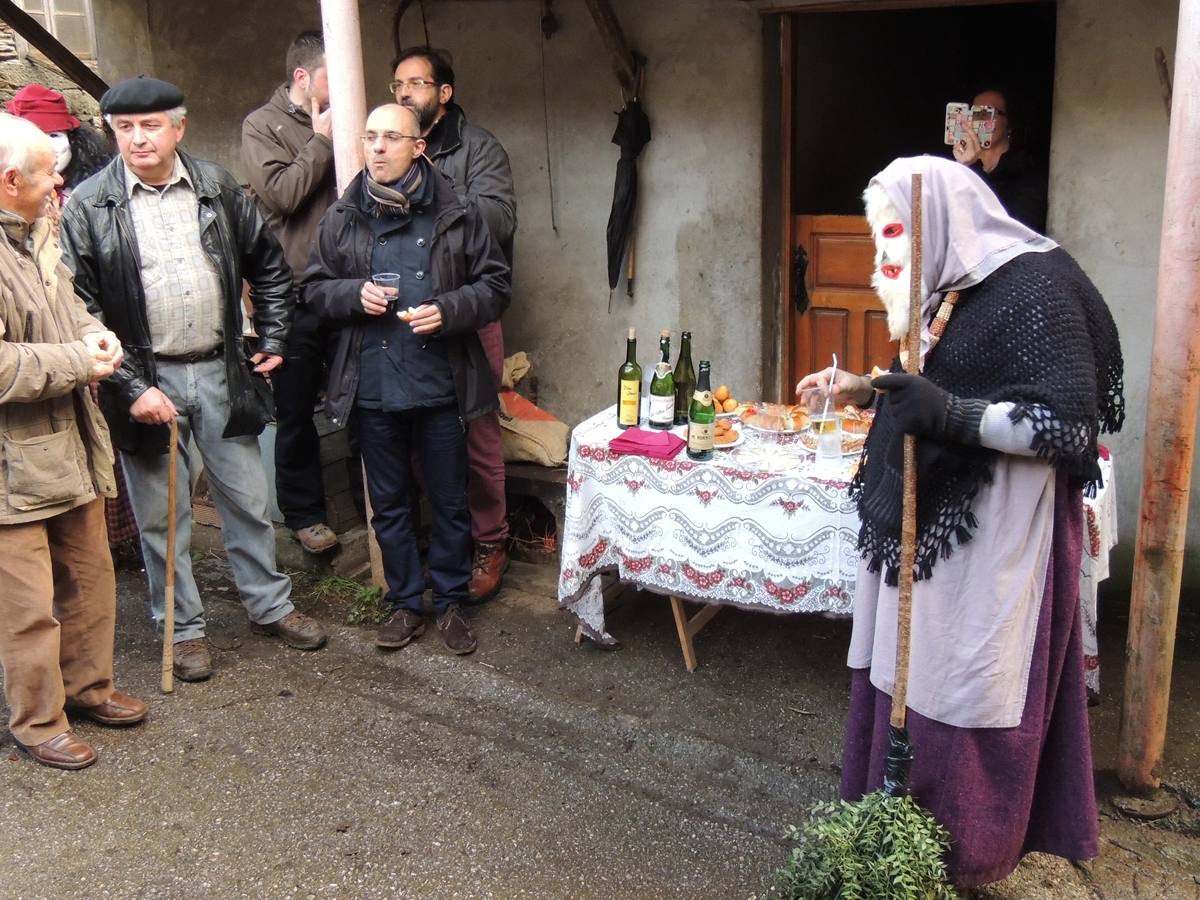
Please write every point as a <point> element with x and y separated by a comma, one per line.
<point>456,632</point>
<point>317,538</point>
<point>491,562</point>
<point>297,630</point>
<point>191,660</point>
<point>404,626</point>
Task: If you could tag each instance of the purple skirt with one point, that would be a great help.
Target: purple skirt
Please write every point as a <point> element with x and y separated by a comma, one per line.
<point>1002,792</point>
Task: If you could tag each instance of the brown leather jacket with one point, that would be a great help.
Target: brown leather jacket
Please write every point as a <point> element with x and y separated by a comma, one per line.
<point>290,168</point>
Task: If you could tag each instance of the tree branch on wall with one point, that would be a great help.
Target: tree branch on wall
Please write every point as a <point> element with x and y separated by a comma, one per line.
<point>625,62</point>
<point>1164,77</point>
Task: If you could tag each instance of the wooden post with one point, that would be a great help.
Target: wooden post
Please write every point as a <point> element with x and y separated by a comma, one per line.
<point>348,101</point>
<point>1170,426</point>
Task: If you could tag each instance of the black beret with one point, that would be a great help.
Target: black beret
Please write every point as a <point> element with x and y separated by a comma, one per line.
<point>140,95</point>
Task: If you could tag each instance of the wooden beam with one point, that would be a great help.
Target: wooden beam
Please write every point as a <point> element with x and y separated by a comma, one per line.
<point>48,45</point>
<point>624,61</point>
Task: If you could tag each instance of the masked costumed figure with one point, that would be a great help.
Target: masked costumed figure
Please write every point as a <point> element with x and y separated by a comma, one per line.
<point>1020,371</point>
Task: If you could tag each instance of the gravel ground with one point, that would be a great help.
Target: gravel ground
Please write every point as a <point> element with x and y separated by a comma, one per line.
<point>534,768</point>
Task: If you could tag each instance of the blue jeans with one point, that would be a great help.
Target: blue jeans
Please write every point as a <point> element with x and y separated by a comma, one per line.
<point>238,485</point>
<point>437,437</point>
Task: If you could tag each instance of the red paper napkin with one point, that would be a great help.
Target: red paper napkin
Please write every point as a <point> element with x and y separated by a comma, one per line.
<point>653,444</point>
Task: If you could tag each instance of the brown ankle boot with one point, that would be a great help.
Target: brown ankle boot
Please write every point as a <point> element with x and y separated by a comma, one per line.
<point>491,562</point>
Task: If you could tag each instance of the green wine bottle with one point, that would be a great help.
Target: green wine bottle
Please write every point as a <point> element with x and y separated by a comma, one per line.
<point>702,415</point>
<point>662,387</point>
<point>629,385</point>
<point>685,379</point>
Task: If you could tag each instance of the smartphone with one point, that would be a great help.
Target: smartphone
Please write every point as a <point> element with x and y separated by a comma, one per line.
<point>982,119</point>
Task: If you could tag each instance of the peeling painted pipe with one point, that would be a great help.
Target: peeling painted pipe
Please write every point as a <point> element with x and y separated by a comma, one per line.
<point>1170,430</point>
<point>347,90</point>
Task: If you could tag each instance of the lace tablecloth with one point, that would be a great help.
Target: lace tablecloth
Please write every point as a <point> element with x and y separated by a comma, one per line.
<point>1099,537</point>
<point>762,526</point>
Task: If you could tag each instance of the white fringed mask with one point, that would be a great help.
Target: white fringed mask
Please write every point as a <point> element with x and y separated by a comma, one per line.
<point>62,150</point>
<point>893,258</point>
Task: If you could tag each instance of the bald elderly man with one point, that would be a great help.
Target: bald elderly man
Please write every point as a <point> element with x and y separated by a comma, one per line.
<point>409,371</point>
<point>58,603</point>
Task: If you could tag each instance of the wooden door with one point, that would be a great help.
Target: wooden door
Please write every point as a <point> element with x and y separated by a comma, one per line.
<point>844,314</point>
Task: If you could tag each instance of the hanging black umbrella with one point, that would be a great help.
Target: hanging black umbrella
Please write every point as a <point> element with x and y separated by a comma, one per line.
<point>632,134</point>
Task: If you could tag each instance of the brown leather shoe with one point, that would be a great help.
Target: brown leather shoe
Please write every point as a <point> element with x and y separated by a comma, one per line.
<point>456,632</point>
<point>296,629</point>
<point>404,626</point>
<point>317,538</point>
<point>65,751</point>
<point>117,711</point>
<point>491,562</point>
<point>192,661</point>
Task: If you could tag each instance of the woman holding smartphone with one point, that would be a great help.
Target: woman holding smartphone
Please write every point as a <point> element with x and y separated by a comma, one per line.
<point>1012,173</point>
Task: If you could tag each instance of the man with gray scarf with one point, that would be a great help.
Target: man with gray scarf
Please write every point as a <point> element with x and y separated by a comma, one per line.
<point>409,372</point>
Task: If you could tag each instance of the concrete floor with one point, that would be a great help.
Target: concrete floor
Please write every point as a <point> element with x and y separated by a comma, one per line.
<point>534,768</point>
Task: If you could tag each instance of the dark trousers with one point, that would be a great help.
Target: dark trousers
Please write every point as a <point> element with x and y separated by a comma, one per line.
<point>299,486</point>
<point>437,438</point>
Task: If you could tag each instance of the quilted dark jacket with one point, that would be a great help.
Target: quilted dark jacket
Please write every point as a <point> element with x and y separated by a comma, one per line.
<point>471,285</point>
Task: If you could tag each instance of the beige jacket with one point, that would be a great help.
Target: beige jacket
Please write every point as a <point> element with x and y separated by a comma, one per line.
<point>55,452</point>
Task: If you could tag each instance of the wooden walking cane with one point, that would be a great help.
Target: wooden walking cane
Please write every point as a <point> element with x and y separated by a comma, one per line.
<point>900,756</point>
<point>168,650</point>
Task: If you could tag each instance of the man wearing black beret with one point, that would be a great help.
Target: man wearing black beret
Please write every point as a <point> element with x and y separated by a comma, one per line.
<point>160,243</point>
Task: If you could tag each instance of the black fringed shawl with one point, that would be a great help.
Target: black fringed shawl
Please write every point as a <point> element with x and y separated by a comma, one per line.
<point>1036,333</point>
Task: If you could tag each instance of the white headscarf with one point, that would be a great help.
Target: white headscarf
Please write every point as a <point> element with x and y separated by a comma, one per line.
<point>965,233</point>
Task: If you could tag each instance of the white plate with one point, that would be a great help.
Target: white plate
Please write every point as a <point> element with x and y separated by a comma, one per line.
<point>808,441</point>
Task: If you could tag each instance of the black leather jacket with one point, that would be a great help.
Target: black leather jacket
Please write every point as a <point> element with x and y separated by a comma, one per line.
<point>100,246</point>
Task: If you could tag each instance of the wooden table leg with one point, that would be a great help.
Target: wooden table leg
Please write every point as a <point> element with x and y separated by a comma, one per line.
<point>689,628</point>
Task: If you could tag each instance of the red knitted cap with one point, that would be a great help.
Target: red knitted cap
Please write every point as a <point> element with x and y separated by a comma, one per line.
<point>43,107</point>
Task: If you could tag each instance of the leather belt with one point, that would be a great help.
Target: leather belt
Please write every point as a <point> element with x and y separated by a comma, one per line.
<point>198,356</point>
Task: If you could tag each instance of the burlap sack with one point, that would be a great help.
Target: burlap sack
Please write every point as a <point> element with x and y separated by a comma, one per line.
<point>530,434</point>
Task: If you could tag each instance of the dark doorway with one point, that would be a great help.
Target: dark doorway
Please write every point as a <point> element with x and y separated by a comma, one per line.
<point>872,86</point>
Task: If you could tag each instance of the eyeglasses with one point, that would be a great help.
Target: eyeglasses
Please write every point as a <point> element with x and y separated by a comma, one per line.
<point>413,84</point>
<point>389,137</point>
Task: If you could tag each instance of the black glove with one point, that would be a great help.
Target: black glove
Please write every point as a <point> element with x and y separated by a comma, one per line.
<point>921,408</point>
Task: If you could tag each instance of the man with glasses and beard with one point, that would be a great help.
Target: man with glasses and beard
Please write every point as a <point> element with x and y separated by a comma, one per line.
<point>423,81</point>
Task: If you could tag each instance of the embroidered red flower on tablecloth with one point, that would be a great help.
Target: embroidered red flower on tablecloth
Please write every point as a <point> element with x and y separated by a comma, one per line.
<point>637,566</point>
<point>787,595</point>
<point>664,569</point>
<point>590,558</point>
<point>574,483</point>
<point>633,485</point>
<point>790,506</point>
<point>1093,533</point>
<point>738,581</point>
<point>704,580</point>
<point>1091,662</point>
<point>706,497</point>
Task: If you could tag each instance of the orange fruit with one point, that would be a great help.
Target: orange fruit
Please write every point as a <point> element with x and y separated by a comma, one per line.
<point>730,405</point>
<point>721,394</point>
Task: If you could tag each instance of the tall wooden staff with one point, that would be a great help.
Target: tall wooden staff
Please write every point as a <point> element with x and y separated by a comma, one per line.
<point>168,649</point>
<point>1170,426</point>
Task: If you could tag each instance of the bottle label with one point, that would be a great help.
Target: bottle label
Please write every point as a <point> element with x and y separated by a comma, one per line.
<point>662,409</point>
<point>704,398</point>
<point>631,398</point>
<point>700,436</point>
<point>662,369</point>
